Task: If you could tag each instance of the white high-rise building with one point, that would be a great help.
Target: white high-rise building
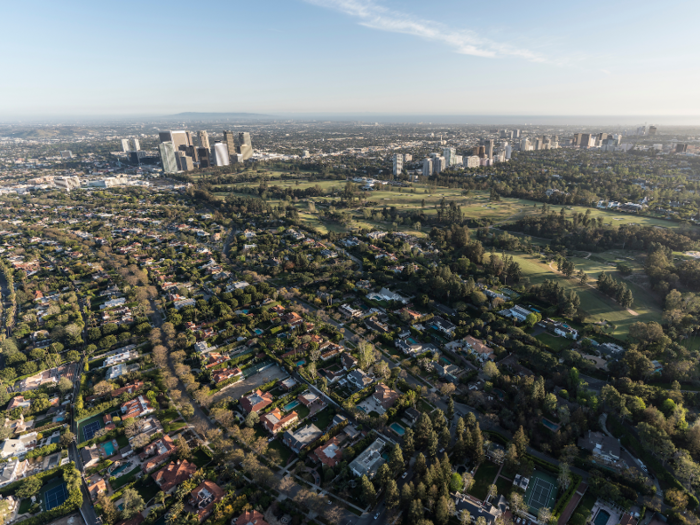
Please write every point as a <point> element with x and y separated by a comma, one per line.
<point>439,165</point>
<point>221,154</point>
<point>449,154</point>
<point>125,145</point>
<point>472,161</point>
<point>525,145</point>
<point>509,151</point>
<point>398,164</point>
<point>427,167</point>
<point>137,145</point>
<point>167,157</point>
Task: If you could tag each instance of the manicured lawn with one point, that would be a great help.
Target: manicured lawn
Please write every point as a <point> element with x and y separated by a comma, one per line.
<point>122,440</point>
<point>423,406</point>
<point>302,411</point>
<point>282,450</point>
<point>504,486</point>
<point>555,343</point>
<point>24,506</point>
<point>174,426</point>
<point>325,417</point>
<point>147,488</point>
<point>125,479</point>
<point>168,415</point>
<point>484,477</point>
<point>200,458</point>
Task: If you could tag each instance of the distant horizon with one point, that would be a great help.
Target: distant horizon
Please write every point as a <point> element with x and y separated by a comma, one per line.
<point>366,118</point>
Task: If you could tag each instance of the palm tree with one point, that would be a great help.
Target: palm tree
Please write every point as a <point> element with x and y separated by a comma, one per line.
<point>160,497</point>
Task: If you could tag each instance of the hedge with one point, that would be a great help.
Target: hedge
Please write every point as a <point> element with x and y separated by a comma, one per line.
<point>43,428</point>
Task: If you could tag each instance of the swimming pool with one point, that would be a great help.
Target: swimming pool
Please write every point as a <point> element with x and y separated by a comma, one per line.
<point>398,429</point>
<point>602,517</point>
<point>445,360</point>
<point>290,406</point>
<point>412,341</point>
<point>121,468</point>
<point>551,426</point>
<point>58,418</point>
<point>257,331</point>
<point>55,439</point>
<point>108,448</point>
<point>300,363</point>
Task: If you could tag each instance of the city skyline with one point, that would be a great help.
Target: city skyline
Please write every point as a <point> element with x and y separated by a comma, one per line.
<point>355,57</point>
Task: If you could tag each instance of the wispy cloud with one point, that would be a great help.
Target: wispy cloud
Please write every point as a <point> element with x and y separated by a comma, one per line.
<point>465,42</point>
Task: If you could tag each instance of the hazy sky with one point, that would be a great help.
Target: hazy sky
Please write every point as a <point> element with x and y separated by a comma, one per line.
<point>619,57</point>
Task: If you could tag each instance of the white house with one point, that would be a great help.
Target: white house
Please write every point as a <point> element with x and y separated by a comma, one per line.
<point>19,446</point>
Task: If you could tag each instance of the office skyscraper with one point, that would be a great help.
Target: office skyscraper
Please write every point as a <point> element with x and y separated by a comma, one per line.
<point>167,157</point>
<point>449,154</point>
<point>221,154</point>
<point>438,165</point>
<point>489,148</point>
<point>137,145</point>
<point>245,146</point>
<point>427,167</point>
<point>229,139</point>
<point>125,145</point>
<point>204,140</point>
<point>398,164</point>
<point>204,155</point>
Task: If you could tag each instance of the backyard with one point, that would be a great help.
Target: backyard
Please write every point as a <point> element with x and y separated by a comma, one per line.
<point>484,477</point>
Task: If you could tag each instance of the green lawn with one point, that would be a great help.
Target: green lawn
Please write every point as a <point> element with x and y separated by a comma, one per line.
<point>555,343</point>
<point>24,506</point>
<point>325,417</point>
<point>200,458</point>
<point>301,410</point>
<point>174,426</point>
<point>147,488</point>
<point>504,486</point>
<point>282,450</point>
<point>125,479</point>
<point>484,477</point>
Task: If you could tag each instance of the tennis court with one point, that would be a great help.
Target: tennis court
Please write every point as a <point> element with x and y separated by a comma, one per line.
<point>90,429</point>
<point>542,492</point>
<point>55,497</point>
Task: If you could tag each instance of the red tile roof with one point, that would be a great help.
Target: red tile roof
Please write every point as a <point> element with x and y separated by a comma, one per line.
<point>173,474</point>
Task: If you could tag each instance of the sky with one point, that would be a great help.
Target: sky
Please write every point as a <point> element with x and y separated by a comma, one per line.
<point>297,57</point>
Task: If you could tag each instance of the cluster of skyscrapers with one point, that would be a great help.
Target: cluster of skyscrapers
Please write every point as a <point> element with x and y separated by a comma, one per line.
<point>127,149</point>
<point>604,141</point>
<point>179,151</point>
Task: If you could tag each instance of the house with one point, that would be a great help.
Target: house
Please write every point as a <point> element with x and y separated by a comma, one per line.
<point>610,348</point>
<point>215,359</point>
<point>137,407</point>
<point>309,399</point>
<point>377,326</point>
<point>477,348</point>
<point>385,396</point>
<point>18,447</point>
<point>90,456</point>
<point>251,517</point>
<point>447,371</point>
<point>359,379</point>
<point>330,453</point>
<point>120,357</point>
<point>173,474</point>
<point>479,509</point>
<point>411,415</point>
<point>113,302</point>
<point>349,311</point>
<point>333,351</point>
<point>292,319</point>
<point>275,421</point>
<point>368,463</point>
<point>288,383</point>
<point>443,325</point>
<point>18,402</point>
<point>602,446</point>
<point>205,497</point>
<point>12,471</point>
<point>256,401</point>
<point>517,312</point>
<point>96,488</point>
<point>127,389</point>
<point>203,347</point>
<point>116,371</point>
<point>217,376</point>
<point>348,361</point>
<point>184,303</point>
<point>301,437</point>
<point>158,451</point>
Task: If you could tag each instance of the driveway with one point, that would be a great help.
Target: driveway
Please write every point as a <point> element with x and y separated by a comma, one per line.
<point>238,389</point>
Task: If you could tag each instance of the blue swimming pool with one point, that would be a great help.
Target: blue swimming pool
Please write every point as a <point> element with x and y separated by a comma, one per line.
<point>121,468</point>
<point>300,363</point>
<point>445,360</point>
<point>55,439</point>
<point>398,429</point>
<point>58,418</point>
<point>290,406</point>
<point>602,517</point>
<point>412,341</point>
<point>551,426</point>
<point>257,331</point>
<point>108,448</point>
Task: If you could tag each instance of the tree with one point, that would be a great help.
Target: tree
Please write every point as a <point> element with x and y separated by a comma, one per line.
<point>187,410</point>
<point>456,482</point>
<point>582,277</point>
<point>656,440</point>
<point>468,480</point>
<point>450,410</point>
<point>365,357</point>
<point>369,494</point>
<point>252,419</point>
<point>408,445</point>
<point>396,461</point>
<point>30,486</point>
<point>183,449</point>
<point>493,491</point>
<point>415,511</point>
<point>132,503</point>
<point>677,499</point>
<point>517,504</point>
<point>109,510</point>
<point>391,494</point>
<point>433,444</point>
<point>383,475</point>
<point>564,479</point>
<point>420,466</point>
<point>544,515</point>
<point>65,385</point>
<point>102,388</point>
<point>67,439</point>
<point>442,511</point>
<point>465,517</point>
<point>521,441</point>
<point>491,370</point>
<point>424,428</point>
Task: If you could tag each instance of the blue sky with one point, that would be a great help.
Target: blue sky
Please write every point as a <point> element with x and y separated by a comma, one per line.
<point>414,57</point>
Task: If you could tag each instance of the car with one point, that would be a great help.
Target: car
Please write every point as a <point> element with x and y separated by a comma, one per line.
<point>441,450</point>
<point>403,476</point>
<point>330,502</point>
<point>376,516</point>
